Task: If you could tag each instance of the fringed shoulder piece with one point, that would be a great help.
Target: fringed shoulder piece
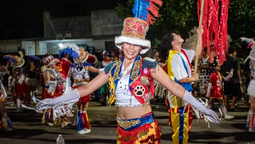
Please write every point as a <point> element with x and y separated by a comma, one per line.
<point>86,64</point>
<point>149,63</point>
<point>109,67</point>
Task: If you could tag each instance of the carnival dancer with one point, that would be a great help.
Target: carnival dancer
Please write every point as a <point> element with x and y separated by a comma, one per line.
<point>5,123</point>
<point>18,80</point>
<point>53,88</point>
<point>215,89</point>
<point>179,69</point>
<point>32,72</point>
<point>64,56</point>
<point>251,88</point>
<point>131,82</point>
<point>79,71</point>
<point>104,89</point>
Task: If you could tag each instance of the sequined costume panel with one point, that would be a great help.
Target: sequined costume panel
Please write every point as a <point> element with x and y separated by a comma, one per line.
<point>144,130</point>
<point>216,90</point>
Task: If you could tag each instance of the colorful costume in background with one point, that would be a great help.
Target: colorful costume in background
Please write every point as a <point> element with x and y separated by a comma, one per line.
<point>80,72</point>
<point>18,80</point>
<point>63,67</point>
<point>5,123</point>
<point>251,92</point>
<point>53,87</point>
<point>251,88</point>
<point>216,89</point>
<point>134,90</point>
<point>178,67</point>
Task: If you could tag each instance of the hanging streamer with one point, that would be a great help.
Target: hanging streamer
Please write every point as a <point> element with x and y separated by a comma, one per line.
<point>215,27</point>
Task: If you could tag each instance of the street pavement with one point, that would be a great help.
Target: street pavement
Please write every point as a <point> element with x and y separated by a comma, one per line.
<point>29,130</point>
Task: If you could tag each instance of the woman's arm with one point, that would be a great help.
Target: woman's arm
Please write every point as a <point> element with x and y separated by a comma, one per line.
<point>92,69</point>
<point>166,81</point>
<point>182,93</point>
<point>93,85</point>
<point>74,95</point>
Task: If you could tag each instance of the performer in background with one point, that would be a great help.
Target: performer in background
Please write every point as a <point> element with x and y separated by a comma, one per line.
<point>131,84</point>
<point>215,89</point>
<point>79,71</point>
<point>53,88</point>
<point>18,81</point>
<point>251,88</point>
<point>179,69</point>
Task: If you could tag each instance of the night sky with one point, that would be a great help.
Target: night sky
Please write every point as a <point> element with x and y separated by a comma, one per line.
<point>24,18</point>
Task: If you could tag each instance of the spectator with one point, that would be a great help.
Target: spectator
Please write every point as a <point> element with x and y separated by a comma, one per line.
<point>114,56</point>
<point>232,86</point>
<point>205,72</point>
<point>98,65</point>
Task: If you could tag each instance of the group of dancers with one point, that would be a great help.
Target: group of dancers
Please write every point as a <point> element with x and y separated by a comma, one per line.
<point>131,84</point>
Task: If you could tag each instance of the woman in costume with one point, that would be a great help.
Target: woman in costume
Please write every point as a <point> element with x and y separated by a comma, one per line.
<point>215,89</point>
<point>32,75</point>
<point>18,81</point>
<point>79,71</point>
<point>251,88</point>
<point>131,85</point>
<point>53,88</point>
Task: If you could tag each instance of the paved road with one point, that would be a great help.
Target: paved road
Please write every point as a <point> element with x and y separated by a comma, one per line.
<point>28,129</point>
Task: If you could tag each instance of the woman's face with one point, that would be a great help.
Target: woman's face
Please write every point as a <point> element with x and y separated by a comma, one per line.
<point>130,51</point>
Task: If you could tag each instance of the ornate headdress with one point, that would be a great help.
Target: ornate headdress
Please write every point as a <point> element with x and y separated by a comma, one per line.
<point>17,61</point>
<point>85,56</point>
<point>135,28</point>
<point>69,48</point>
<point>48,60</point>
<point>250,44</point>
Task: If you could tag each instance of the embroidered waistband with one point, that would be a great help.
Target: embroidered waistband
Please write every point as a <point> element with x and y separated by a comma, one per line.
<point>131,124</point>
<point>79,84</point>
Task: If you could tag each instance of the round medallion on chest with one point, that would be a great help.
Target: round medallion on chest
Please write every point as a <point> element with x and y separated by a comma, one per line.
<point>144,80</point>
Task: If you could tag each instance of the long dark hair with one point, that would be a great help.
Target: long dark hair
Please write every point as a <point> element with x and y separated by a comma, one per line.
<point>214,64</point>
<point>166,45</point>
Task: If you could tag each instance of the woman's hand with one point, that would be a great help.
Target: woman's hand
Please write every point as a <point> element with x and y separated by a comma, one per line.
<point>200,30</point>
<point>51,102</point>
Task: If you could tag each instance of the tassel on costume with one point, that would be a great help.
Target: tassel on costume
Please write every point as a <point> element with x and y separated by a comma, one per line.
<point>80,125</point>
<point>85,120</point>
<point>251,122</point>
<point>7,124</point>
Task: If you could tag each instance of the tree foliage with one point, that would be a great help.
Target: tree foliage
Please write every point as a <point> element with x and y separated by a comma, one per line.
<point>178,16</point>
<point>241,23</point>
